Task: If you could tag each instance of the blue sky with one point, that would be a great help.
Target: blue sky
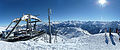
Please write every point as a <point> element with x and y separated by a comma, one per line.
<point>63,10</point>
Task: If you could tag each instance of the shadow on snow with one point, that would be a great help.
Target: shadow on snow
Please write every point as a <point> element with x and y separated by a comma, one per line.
<point>111,38</point>
<point>106,39</point>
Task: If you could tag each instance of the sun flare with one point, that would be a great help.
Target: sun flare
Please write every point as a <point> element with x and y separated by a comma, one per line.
<point>102,2</point>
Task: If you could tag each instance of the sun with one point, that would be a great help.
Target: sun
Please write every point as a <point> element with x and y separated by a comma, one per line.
<point>102,2</point>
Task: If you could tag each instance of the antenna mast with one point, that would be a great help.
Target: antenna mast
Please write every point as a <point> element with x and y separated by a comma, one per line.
<point>49,13</point>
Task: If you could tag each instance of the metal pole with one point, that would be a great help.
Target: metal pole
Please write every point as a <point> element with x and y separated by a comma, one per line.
<point>9,25</point>
<point>27,26</point>
<point>29,21</point>
<point>35,26</point>
<point>13,28</point>
<point>49,25</point>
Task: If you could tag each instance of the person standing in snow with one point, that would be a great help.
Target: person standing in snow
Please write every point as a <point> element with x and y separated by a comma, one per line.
<point>110,31</point>
<point>117,31</point>
<point>105,31</point>
<point>119,36</point>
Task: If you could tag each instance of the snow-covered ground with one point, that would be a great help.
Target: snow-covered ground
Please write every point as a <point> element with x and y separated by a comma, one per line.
<point>89,42</point>
<point>2,29</point>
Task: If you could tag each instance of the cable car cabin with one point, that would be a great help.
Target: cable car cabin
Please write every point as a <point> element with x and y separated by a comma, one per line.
<point>17,33</point>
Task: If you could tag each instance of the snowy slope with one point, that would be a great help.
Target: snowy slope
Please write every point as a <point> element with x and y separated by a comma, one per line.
<point>71,35</point>
<point>93,27</point>
<point>90,42</point>
<point>71,32</point>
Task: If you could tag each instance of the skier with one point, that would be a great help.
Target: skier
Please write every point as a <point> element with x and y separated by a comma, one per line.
<point>119,36</point>
<point>105,31</point>
<point>110,32</point>
<point>118,33</point>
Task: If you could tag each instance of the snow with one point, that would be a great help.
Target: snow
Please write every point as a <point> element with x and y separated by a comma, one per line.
<point>31,16</point>
<point>2,29</point>
<point>89,42</point>
<point>80,39</point>
<point>55,22</point>
<point>71,32</point>
<point>26,17</point>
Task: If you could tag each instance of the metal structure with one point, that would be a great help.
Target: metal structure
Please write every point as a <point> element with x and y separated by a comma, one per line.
<point>26,34</point>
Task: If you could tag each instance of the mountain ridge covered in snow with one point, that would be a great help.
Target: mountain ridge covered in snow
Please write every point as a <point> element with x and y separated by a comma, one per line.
<point>71,35</point>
